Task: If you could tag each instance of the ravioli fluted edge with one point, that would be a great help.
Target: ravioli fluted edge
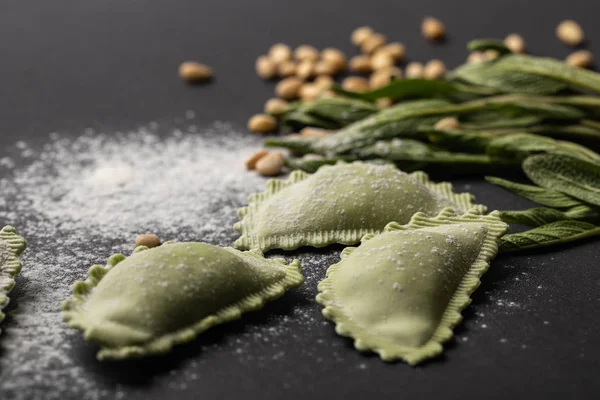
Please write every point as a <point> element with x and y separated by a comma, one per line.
<point>11,247</point>
<point>290,236</point>
<point>174,292</point>
<point>400,337</point>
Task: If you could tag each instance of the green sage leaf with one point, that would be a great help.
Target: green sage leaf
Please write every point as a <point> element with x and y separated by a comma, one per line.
<point>488,44</point>
<point>577,178</point>
<point>545,197</point>
<point>551,234</point>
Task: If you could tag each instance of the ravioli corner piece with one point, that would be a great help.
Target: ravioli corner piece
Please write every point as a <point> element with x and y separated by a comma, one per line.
<point>156,298</point>
<point>11,247</point>
<point>401,293</point>
<point>340,204</point>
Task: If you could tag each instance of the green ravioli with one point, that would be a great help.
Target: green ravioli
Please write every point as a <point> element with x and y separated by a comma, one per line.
<point>156,298</point>
<point>340,204</point>
<point>11,247</point>
<point>401,293</point>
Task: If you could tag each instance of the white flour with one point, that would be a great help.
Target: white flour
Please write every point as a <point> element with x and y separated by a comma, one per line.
<point>98,192</point>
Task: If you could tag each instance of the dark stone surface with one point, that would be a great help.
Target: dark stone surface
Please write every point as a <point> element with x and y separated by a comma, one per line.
<point>111,65</point>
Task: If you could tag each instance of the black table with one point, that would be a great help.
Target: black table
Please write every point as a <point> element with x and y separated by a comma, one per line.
<point>531,332</point>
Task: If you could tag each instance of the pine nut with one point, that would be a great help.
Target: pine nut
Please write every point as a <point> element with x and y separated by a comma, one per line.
<point>355,84</point>
<point>373,42</point>
<point>253,159</point>
<point>335,58</point>
<point>306,52</point>
<point>434,69</point>
<point>360,35</point>
<point>271,164</point>
<point>515,43</point>
<point>447,124</point>
<point>192,71</point>
<point>414,70</point>
<point>288,88</point>
<point>280,52</point>
<point>570,32</point>
<point>580,59</point>
<point>433,28</point>
<point>265,67</point>
<point>149,240</point>
<point>275,106</point>
<point>262,123</point>
<point>361,64</point>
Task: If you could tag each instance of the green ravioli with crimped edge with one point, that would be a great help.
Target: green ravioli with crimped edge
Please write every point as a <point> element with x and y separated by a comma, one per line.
<point>156,298</point>
<point>401,293</point>
<point>340,204</point>
<point>11,247</point>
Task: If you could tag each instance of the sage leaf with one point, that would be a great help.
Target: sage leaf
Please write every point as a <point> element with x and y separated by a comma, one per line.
<point>533,216</point>
<point>570,175</point>
<point>459,140</point>
<point>519,146</point>
<point>330,113</point>
<point>402,89</point>
<point>518,73</point>
<point>545,197</point>
<point>551,234</point>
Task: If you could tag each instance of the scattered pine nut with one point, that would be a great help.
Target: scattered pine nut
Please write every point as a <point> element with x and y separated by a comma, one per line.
<point>286,68</point>
<point>434,69</point>
<point>306,69</point>
<point>251,162</point>
<point>384,102</point>
<point>309,92</point>
<point>381,59</point>
<point>335,58</point>
<point>262,123</point>
<point>306,52</point>
<point>288,88</point>
<point>361,64</point>
<point>476,57</point>
<point>414,70</point>
<point>265,67</point>
<point>360,35</point>
<point>384,76</point>
<point>310,132</point>
<point>372,43</point>
<point>396,50</point>
<point>324,68</point>
<point>275,106</point>
<point>447,124</point>
<point>515,43</point>
<point>355,84</point>
<point>580,59</point>
<point>271,164</point>
<point>280,52</point>
<point>149,240</point>
<point>491,54</point>
<point>433,28</point>
<point>192,71</point>
<point>323,81</point>
<point>328,94</point>
<point>570,32</point>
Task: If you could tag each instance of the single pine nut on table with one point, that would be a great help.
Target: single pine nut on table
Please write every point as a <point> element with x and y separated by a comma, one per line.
<point>433,29</point>
<point>265,67</point>
<point>193,71</point>
<point>262,123</point>
<point>515,43</point>
<point>447,124</point>
<point>570,33</point>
